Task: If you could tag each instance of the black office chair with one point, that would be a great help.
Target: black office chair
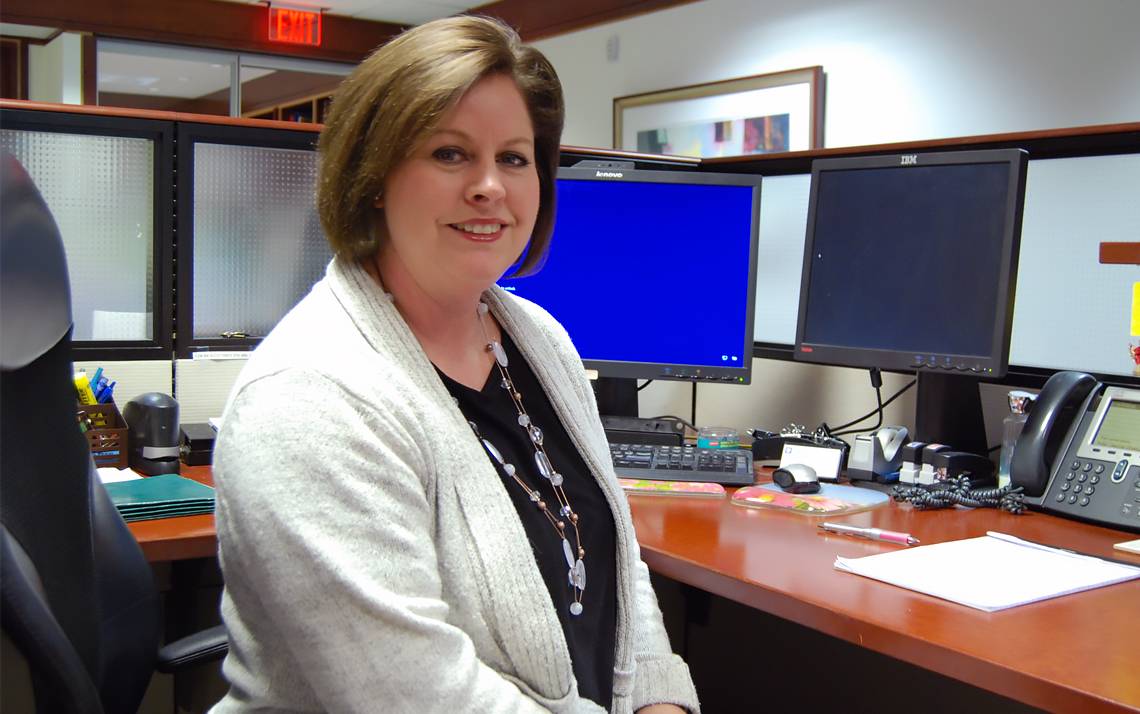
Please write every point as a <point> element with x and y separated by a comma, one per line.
<point>79,601</point>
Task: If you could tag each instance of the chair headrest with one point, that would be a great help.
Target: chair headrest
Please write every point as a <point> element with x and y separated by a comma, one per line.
<point>35,293</point>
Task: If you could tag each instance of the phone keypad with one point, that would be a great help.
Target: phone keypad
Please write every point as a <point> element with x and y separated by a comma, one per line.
<point>1132,508</point>
<point>1081,481</point>
<point>1101,490</point>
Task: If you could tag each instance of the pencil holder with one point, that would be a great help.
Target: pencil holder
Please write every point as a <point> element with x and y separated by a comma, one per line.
<point>106,435</point>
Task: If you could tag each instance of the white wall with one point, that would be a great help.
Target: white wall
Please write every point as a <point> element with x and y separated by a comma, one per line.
<point>55,70</point>
<point>896,70</point>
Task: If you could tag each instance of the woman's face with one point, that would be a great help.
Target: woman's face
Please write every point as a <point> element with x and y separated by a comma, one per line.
<point>461,208</point>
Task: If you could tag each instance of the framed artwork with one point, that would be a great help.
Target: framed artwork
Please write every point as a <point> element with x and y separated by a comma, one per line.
<point>762,114</point>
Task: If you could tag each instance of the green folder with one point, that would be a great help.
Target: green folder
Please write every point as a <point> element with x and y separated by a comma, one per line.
<point>161,496</point>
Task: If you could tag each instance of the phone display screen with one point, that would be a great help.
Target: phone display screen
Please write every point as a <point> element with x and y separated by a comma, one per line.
<point>1120,428</point>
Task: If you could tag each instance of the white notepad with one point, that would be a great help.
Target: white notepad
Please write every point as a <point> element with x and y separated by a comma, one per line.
<point>990,573</point>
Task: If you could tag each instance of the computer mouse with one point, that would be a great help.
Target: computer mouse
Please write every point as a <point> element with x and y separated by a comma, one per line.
<point>796,478</point>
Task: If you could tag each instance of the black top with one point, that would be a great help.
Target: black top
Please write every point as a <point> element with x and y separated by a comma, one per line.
<point>590,635</point>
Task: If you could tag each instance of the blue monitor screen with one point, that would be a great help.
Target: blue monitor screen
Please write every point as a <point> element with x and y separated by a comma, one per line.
<point>653,273</point>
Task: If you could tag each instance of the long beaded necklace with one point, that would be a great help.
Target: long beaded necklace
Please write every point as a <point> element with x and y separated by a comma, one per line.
<point>577,573</point>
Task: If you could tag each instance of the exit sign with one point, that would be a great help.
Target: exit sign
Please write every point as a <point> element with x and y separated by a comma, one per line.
<point>297,27</point>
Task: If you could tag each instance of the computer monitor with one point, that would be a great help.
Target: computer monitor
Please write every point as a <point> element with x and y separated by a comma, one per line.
<point>910,263</point>
<point>653,273</point>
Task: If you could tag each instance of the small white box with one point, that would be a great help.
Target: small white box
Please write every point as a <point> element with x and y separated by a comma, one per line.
<point>824,460</point>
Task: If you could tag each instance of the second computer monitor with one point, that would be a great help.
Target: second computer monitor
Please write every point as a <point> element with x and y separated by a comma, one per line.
<point>910,263</point>
<point>653,272</point>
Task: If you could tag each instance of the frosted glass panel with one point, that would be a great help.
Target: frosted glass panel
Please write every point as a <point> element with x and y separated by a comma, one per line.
<point>780,256</point>
<point>258,243</point>
<point>100,189</point>
<point>1072,312</point>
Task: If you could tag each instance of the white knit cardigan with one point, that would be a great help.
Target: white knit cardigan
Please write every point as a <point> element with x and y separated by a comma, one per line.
<point>373,559</point>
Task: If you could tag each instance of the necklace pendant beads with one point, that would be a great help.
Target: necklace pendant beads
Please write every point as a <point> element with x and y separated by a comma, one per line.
<point>576,573</point>
<point>535,434</point>
<point>580,574</point>
<point>543,462</point>
<point>500,354</point>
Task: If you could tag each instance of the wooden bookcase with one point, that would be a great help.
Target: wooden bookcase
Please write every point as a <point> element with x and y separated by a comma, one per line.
<point>307,110</point>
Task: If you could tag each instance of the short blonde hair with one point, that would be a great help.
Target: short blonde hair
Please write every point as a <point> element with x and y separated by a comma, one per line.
<point>396,98</point>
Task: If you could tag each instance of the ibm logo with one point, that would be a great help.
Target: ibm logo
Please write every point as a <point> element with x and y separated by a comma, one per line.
<point>908,160</point>
<point>608,174</point>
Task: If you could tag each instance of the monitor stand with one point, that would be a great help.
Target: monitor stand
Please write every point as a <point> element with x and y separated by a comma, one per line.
<point>617,396</point>
<point>949,411</point>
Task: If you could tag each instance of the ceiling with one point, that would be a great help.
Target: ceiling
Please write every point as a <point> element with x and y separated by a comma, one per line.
<point>398,12</point>
<point>360,25</point>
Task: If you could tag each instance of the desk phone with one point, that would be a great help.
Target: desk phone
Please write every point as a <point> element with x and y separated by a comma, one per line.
<point>1079,453</point>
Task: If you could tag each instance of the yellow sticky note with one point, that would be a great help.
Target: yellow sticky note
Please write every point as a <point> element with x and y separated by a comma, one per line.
<point>1136,309</point>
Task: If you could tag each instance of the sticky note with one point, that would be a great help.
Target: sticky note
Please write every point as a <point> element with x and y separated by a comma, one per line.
<point>1136,309</point>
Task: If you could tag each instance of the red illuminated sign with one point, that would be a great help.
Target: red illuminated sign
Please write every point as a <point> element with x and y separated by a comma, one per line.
<point>297,27</point>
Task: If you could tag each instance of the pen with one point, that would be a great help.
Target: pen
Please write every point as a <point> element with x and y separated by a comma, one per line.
<point>871,533</point>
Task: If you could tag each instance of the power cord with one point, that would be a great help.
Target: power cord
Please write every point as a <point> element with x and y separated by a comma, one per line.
<point>670,417</point>
<point>877,383</point>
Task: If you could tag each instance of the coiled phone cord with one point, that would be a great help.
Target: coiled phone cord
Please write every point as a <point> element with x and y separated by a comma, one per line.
<point>956,491</point>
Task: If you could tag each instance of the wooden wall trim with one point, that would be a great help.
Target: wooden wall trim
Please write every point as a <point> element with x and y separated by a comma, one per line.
<point>538,19</point>
<point>88,65</point>
<point>895,147</point>
<point>233,26</point>
<point>15,66</point>
<point>1112,137</point>
<point>155,114</point>
<point>1120,253</point>
<point>619,155</point>
<point>1110,134</point>
<point>199,23</point>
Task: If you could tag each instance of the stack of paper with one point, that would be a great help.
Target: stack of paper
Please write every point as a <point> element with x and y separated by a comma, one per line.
<point>160,497</point>
<point>994,572</point>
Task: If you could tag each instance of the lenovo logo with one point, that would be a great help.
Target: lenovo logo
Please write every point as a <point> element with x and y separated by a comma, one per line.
<point>908,160</point>
<point>608,174</point>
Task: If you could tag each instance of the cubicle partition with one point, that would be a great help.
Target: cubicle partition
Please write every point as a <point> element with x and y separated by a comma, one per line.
<point>178,229</point>
<point>1072,311</point>
<point>107,181</point>
<point>250,241</point>
<point>189,236</point>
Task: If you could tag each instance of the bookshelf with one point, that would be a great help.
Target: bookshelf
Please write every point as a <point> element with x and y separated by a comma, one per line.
<point>307,110</point>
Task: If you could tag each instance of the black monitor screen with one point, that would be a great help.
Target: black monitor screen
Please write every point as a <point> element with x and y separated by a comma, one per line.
<point>910,261</point>
<point>653,272</point>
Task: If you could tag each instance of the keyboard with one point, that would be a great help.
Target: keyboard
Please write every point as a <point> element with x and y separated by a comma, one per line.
<point>730,467</point>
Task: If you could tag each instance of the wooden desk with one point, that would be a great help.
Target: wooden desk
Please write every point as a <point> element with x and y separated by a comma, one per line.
<point>182,538</point>
<point>1079,653</point>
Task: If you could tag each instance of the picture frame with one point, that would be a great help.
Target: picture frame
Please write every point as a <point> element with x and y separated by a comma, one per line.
<point>764,113</point>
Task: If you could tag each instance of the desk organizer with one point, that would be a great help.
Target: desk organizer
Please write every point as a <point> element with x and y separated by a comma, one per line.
<point>108,440</point>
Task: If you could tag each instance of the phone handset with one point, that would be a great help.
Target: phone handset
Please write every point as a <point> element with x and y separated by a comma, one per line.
<point>1049,421</point>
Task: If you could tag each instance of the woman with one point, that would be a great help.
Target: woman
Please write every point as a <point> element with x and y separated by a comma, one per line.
<point>412,477</point>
